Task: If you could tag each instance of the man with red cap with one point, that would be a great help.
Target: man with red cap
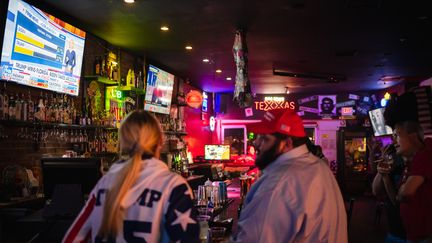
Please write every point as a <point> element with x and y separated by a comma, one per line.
<point>297,198</point>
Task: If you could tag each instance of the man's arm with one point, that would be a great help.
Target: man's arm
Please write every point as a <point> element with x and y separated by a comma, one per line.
<point>377,185</point>
<point>410,187</point>
<point>389,188</point>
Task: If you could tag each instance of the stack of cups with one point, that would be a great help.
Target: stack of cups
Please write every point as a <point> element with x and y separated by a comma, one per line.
<point>245,184</point>
<point>202,196</point>
<point>223,194</point>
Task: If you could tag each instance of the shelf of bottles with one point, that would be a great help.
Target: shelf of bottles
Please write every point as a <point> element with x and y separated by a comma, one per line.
<point>53,119</point>
<point>175,151</point>
<point>106,69</point>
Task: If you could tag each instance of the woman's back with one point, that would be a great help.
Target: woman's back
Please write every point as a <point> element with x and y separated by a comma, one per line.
<point>158,207</point>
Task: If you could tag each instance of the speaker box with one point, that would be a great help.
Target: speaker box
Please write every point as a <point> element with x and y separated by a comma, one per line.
<point>221,103</point>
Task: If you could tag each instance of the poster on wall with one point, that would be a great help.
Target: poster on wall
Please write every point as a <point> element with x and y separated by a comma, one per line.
<point>326,105</point>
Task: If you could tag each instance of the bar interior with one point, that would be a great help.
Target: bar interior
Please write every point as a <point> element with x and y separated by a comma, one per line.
<point>71,71</point>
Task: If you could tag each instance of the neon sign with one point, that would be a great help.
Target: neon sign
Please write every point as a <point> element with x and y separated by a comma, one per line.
<point>275,99</point>
<point>205,101</point>
<point>347,111</point>
<point>194,99</point>
<point>116,93</point>
<point>212,123</point>
<point>271,105</point>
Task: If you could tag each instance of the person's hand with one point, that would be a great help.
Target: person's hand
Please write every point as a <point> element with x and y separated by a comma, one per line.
<point>384,167</point>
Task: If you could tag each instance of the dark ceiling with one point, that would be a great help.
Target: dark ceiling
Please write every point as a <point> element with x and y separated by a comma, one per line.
<point>356,41</point>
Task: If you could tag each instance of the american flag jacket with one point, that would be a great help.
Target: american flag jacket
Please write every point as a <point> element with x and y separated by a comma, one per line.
<point>158,208</point>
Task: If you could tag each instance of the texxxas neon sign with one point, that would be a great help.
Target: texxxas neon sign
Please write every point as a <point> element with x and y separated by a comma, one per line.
<point>271,105</point>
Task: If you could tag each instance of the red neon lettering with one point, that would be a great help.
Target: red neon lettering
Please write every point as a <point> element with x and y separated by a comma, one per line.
<point>271,105</point>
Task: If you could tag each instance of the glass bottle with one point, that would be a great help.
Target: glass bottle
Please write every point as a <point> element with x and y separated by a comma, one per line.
<point>5,106</point>
<point>1,104</point>
<point>12,115</point>
<point>31,107</point>
<point>24,108</point>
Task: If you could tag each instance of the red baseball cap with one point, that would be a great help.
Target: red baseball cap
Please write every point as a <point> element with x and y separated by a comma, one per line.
<point>285,121</point>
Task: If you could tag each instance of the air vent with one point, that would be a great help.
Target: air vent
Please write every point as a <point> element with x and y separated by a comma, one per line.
<point>346,53</point>
<point>331,78</point>
<point>363,4</point>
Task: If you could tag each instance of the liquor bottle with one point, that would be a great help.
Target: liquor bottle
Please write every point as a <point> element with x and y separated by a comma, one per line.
<point>115,72</point>
<point>73,112</point>
<point>46,103</point>
<point>57,109</point>
<point>49,106</point>
<point>132,84</point>
<point>140,80</point>
<point>5,106</point>
<point>18,107</point>
<point>12,114</point>
<point>31,107</point>
<point>97,66</point>
<point>24,108</point>
<point>40,109</point>
<point>1,104</point>
<point>103,67</point>
<point>95,143</point>
<point>104,142</point>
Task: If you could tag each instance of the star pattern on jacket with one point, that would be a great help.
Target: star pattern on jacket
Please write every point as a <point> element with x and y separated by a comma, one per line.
<point>183,219</point>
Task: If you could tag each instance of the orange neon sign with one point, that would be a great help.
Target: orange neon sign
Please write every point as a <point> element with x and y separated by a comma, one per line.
<point>271,105</point>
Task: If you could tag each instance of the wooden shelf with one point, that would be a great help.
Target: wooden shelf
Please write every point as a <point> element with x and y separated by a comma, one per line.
<point>101,79</point>
<point>175,133</point>
<point>18,123</point>
<point>128,88</point>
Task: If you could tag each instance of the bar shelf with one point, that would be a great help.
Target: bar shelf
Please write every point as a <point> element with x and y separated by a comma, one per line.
<point>18,123</point>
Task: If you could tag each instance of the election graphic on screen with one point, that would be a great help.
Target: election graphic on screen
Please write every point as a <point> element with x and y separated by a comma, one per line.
<point>40,50</point>
<point>159,90</point>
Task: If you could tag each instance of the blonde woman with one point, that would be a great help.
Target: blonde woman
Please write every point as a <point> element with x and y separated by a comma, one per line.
<point>139,199</point>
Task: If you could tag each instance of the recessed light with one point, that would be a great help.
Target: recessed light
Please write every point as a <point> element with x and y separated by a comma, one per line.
<point>206,60</point>
<point>228,78</point>
<point>164,28</point>
<point>188,47</point>
<point>129,1</point>
<point>218,70</point>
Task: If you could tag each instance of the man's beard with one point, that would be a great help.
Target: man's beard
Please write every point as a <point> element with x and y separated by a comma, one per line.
<point>263,159</point>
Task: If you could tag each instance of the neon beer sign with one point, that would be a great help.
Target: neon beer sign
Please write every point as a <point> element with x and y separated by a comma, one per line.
<point>271,103</point>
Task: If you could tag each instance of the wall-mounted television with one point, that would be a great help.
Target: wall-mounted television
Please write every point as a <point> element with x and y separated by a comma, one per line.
<point>378,123</point>
<point>40,50</point>
<point>216,152</point>
<point>81,171</point>
<point>159,90</point>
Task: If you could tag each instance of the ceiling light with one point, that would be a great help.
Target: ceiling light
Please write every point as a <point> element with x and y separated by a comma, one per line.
<point>228,78</point>
<point>218,70</point>
<point>129,1</point>
<point>206,60</point>
<point>188,48</point>
<point>164,28</point>
<point>422,17</point>
<point>287,91</point>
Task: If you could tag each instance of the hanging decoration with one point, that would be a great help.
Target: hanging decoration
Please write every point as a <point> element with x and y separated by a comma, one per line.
<point>242,92</point>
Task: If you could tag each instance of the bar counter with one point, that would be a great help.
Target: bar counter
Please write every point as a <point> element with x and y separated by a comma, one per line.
<point>32,226</point>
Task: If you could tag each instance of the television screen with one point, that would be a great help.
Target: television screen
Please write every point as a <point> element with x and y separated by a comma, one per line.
<point>159,90</point>
<point>81,171</point>
<point>378,123</point>
<point>217,152</point>
<point>41,50</point>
